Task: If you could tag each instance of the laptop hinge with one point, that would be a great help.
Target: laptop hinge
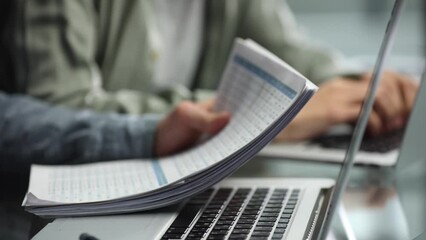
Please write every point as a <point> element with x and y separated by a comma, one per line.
<point>321,207</point>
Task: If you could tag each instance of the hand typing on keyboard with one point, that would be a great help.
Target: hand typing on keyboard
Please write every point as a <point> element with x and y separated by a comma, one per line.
<point>339,101</point>
<point>382,144</point>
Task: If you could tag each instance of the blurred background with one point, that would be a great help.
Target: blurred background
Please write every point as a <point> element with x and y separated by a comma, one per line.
<point>356,28</point>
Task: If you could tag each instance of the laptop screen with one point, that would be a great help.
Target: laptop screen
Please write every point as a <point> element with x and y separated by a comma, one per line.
<point>412,165</point>
<point>361,125</point>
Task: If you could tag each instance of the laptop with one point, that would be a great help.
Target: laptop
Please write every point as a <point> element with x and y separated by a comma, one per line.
<point>331,147</point>
<point>240,208</point>
<point>381,151</point>
<point>395,196</point>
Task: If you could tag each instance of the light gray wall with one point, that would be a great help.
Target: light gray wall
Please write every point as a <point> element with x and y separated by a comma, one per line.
<point>356,27</point>
<point>349,5</point>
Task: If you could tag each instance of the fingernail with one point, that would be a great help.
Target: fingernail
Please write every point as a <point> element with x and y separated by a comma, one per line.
<point>397,123</point>
<point>85,236</point>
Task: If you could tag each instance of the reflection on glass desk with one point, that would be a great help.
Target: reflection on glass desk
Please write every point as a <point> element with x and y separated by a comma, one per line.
<point>380,203</point>
<point>371,210</point>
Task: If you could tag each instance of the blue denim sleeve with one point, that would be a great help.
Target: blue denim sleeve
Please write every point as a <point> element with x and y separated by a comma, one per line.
<point>34,132</point>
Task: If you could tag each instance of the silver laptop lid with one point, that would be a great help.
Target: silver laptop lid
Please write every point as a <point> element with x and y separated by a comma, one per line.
<point>361,125</point>
<point>412,147</point>
<point>411,167</point>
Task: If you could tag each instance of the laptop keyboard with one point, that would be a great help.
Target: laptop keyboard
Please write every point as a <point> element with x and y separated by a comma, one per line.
<point>244,213</point>
<point>381,144</point>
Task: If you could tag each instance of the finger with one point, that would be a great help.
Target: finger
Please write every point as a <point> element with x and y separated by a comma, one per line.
<point>351,114</point>
<point>366,76</point>
<point>409,90</point>
<point>201,119</point>
<point>396,123</point>
<point>406,85</point>
<point>386,74</point>
<point>208,104</point>
<point>192,115</point>
<point>374,126</point>
<point>219,122</point>
<point>354,91</point>
<point>389,102</point>
<point>346,113</point>
<point>220,119</point>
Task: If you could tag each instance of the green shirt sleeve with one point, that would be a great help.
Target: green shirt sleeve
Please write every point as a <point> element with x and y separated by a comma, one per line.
<point>59,47</point>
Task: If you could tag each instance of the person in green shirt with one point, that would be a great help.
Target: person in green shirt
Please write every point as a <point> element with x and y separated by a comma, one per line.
<point>141,56</point>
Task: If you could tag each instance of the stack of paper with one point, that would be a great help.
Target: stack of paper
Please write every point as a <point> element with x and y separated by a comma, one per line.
<point>263,95</point>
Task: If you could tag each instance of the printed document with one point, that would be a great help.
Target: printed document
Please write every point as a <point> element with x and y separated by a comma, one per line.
<point>262,93</point>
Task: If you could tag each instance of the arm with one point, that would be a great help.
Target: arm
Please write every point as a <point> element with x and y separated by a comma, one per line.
<point>34,132</point>
<point>59,47</point>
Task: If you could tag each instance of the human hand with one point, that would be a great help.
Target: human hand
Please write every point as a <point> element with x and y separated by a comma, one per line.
<point>186,124</point>
<point>336,101</point>
<point>340,99</point>
<point>394,101</point>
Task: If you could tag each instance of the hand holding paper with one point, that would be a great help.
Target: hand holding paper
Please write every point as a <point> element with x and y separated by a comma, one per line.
<point>186,124</point>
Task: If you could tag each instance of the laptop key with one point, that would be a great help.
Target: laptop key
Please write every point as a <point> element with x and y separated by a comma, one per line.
<point>290,206</point>
<point>238,231</point>
<point>288,211</point>
<point>186,215</point>
<point>237,236</point>
<point>262,229</point>
<point>219,232</point>
<point>243,226</point>
<point>266,224</point>
<point>216,237</point>
<point>171,236</point>
<point>248,216</point>
<point>272,210</point>
<point>279,230</point>
<point>270,214</point>
<point>260,234</point>
<point>282,225</point>
<point>180,230</point>
<point>277,236</point>
<point>247,221</point>
<point>221,227</point>
<point>206,219</point>
<point>267,219</point>
<point>195,235</point>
